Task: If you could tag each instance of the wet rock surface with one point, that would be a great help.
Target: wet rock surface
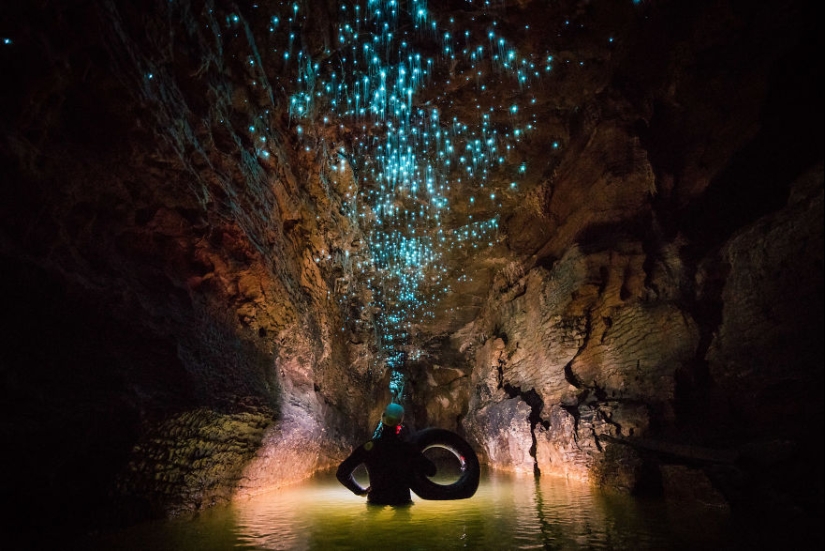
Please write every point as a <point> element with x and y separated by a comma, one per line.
<point>185,313</point>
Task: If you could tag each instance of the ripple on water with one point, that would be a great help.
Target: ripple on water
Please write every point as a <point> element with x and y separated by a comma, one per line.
<point>507,512</point>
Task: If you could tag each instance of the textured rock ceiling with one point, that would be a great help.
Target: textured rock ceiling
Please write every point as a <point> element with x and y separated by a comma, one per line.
<point>228,229</point>
<point>439,143</point>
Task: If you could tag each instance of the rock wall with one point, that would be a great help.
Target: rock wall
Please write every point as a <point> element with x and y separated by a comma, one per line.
<point>577,367</point>
<point>624,364</point>
<point>179,327</point>
<point>185,313</point>
<point>657,344</point>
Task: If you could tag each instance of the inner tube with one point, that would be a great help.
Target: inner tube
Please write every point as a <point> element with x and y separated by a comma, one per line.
<point>467,482</point>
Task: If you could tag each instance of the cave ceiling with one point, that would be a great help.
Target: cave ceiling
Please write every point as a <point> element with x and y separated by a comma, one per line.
<point>421,149</point>
<point>441,124</point>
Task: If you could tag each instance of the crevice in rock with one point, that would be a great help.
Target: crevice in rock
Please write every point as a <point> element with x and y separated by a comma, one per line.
<point>569,376</point>
<point>694,379</point>
<point>546,262</point>
<point>604,276</point>
<point>596,440</point>
<point>608,323</point>
<point>532,399</point>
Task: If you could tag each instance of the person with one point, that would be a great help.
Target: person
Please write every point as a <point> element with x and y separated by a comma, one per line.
<point>390,460</point>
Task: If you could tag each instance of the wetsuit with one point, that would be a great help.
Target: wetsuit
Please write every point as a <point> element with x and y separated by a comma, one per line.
<point>390,462</point>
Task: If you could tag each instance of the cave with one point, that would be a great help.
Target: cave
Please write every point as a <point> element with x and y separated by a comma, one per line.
<point>585,235</point>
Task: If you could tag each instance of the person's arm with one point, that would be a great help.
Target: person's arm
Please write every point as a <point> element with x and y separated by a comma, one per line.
<point>347,467</point>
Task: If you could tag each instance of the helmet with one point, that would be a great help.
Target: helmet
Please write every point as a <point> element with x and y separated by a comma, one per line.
<point>393,415</point>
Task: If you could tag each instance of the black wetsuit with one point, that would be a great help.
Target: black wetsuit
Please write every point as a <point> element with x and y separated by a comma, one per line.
<point>390,462</point>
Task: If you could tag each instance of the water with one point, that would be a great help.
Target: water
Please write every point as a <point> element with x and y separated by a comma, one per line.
<point>507,512</point>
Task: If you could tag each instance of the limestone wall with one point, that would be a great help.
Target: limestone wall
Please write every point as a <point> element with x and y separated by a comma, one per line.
<point>605,367</point>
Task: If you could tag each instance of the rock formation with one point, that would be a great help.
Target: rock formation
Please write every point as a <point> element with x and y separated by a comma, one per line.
<point>191,310</point>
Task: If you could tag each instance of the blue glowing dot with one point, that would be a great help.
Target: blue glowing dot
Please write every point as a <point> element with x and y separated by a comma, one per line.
<point>7,41</point>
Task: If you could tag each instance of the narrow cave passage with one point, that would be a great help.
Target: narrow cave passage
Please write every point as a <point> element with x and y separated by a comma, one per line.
<point>584,236</point>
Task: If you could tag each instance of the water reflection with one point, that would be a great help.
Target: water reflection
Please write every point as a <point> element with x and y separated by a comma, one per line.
<point>507,512</point>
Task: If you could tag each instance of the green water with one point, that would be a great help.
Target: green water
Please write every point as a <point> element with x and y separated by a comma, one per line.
<point>507,512</point>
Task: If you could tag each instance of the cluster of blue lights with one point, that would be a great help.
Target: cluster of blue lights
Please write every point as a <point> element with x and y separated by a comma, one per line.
<point>385,77</point>
<point>415,118</point>
<point>412,119</point>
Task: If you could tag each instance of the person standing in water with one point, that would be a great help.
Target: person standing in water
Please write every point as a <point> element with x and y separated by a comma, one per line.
<point>390,461</point>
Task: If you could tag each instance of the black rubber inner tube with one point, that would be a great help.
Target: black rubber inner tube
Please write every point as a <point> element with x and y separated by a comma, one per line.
<point>467,482</point>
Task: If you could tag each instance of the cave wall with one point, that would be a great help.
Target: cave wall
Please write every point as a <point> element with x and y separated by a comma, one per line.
<point>597,349</point>
<point>174,330</point>
<point>658,333</point>
<point>179,270</point>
